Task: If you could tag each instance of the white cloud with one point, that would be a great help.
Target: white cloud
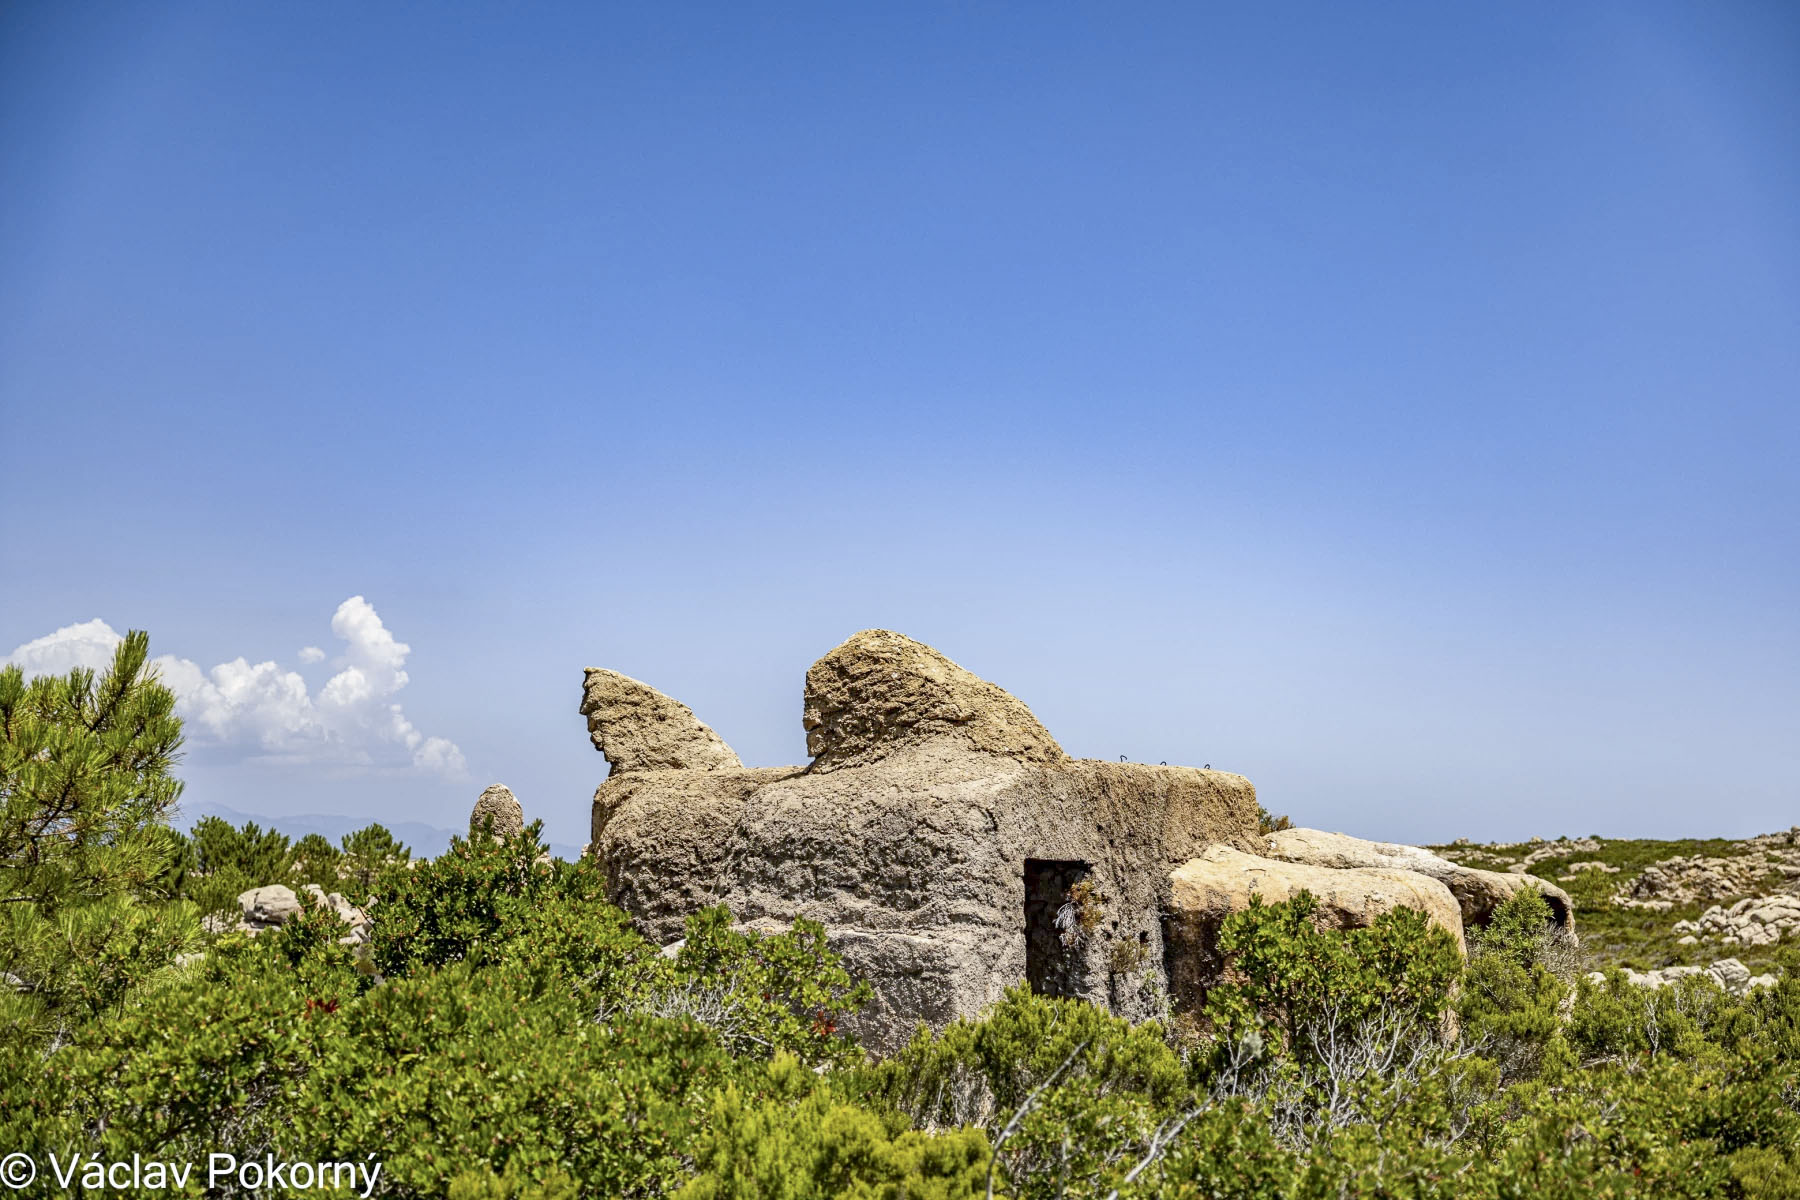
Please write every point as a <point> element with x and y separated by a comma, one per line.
<point>89,644</point>
<point>239,709</point>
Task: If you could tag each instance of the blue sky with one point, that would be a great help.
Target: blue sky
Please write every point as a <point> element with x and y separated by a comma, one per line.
<point>1397,404</point>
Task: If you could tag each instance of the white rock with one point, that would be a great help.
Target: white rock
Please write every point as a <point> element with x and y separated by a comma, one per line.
<point>274,904</point>
<point>1731,974</point>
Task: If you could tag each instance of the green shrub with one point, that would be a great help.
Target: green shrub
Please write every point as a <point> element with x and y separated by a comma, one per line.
<point>1227,1152</point>
<point>801,1142</point>
<point>1692,1019</point>
<point>1289,974</point>
<point>450,1067</point>
<point>1513,987</point>
<point>1775,1011</point>
<point>1071,1097</point>
<point>467,904</point>
<point>978,1071</point>
<point>85,792</point>
<point>368,854</point>
<point>763,994</point>
<point>199,1059</point>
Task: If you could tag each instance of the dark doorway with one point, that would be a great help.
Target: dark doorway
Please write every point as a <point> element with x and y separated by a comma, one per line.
<point>1055,951</point>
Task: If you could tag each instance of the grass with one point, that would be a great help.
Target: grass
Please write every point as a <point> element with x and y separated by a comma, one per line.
<point>1616,936</point>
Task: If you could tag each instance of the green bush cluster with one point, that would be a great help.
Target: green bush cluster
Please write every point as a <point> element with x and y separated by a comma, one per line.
<point>514,1024</point>
<point>217,862</point>
<point>510,1035</point>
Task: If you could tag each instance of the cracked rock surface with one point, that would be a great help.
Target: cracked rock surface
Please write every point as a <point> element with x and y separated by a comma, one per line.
<point>638,728</point>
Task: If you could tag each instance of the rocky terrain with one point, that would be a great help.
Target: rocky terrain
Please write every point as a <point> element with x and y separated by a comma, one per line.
<point>1661,909</point>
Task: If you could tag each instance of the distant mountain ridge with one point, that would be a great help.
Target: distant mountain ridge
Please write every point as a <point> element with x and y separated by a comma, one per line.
<point>424,840</point>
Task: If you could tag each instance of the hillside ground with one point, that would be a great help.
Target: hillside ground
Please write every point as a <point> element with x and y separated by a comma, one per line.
<point>1614,931</point>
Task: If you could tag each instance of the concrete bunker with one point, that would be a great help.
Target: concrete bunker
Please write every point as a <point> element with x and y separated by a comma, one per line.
<point>945,841</point>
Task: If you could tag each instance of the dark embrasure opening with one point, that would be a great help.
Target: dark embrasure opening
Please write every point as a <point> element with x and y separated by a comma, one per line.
<point>1054,962</point>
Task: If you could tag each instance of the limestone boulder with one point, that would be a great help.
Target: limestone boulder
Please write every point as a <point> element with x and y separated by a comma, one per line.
<point>638,728</point>
<point>1220,881</point>
<point>275,905</point>
<point>1477,892</point>
<point>499,805</point>
<point>265,907</point>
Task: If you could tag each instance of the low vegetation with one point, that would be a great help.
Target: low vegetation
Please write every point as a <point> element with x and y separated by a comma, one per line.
<point>507,1033</point>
